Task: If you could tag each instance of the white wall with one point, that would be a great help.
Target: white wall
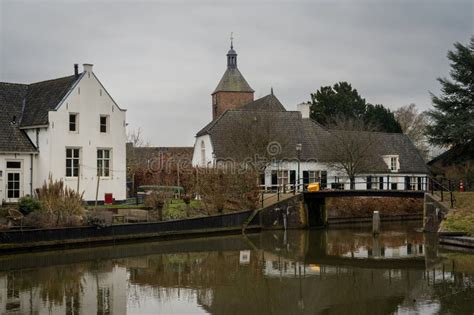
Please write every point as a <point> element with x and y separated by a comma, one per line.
<point>197,155</point>
<point>90,100</point>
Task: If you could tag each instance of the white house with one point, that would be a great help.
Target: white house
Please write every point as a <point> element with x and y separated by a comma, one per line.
<point>296,141</point>
<point>69,128</point>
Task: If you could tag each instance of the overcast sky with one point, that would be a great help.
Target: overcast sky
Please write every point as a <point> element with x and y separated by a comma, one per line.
<point>161,60</point>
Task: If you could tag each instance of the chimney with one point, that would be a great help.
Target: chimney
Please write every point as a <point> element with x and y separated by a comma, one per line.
<point>76,70</point>
<point>87,67</point>
<point>304,108</point>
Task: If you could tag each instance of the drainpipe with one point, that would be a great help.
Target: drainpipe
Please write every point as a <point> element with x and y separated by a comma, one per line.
<point>31,174</point>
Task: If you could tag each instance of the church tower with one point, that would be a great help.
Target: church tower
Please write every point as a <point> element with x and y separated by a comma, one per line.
<point>232,91</point>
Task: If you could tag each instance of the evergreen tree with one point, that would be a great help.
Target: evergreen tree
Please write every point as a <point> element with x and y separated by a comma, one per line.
<point>452,120</point>
<point>341,101</point>
<point>382,118</point>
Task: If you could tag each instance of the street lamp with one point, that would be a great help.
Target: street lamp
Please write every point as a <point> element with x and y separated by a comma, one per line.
<point>299,146</point>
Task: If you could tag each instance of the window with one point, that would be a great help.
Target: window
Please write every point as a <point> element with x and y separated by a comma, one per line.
<point>104,123</point>
<point>203,153</point>
<point>72,162</point>
<point>283,178</point>
<point>15,164</point>
<point>103,162</point>
<point>394,163</point>
<point>73,122</point>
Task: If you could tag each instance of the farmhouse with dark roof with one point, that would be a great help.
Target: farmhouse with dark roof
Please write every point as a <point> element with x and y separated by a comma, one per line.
<point>301,143</point>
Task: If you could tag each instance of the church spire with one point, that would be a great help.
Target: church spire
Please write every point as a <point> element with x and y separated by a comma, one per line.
<point>231,55</point>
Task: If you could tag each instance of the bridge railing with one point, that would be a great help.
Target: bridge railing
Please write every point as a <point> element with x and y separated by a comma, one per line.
<point>412,183</point>
<point>442,191</point>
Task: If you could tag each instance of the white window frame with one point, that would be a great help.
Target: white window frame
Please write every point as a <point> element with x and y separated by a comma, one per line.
<point>102,170</point>
<point>283,178</point>
<point>203,153</point>
<point>76,122</point>
<point>393,162</point>
<point>73,158</point>
<point>107,123</point>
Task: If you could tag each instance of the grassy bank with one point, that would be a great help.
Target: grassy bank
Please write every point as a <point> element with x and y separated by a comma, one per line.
<point>462,218</point>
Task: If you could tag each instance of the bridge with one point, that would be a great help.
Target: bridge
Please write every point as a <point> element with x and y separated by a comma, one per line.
<point>363,193</point>
<point>316,201</point>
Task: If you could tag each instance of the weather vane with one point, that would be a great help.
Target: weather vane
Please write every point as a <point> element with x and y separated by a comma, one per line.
<point>231,40</point>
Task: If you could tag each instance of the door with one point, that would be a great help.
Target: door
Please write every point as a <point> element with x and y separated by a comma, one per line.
<point>13,184</point>
<point>274,180</point>
<point>293,178</point>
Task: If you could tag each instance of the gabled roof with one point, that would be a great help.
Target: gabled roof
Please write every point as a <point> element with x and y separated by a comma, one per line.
<point>12,139</point>
<point>23,105</point>
<point>44,96</point>
<point>233,81</point>
<point>266,103</point>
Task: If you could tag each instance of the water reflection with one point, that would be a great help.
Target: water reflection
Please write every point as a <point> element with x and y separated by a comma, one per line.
<point>297,272</point>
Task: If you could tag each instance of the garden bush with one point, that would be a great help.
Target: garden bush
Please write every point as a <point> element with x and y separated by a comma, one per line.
<point>60,206</point>
<point>100,218</point>
<point>222,189</point>
<point>28,204</point>
<point>156,201</point>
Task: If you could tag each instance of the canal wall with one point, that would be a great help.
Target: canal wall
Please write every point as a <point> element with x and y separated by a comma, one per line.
<point>230,223</point>
<point>291,211</point>
<point>434,213</point>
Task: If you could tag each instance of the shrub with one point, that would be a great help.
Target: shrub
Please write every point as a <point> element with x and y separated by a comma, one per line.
<point>187,199</point>
<point>156,201</point>
<point>221,189</point>
<point>100,218</point>
<point>28,204</point>
<point>63,204</point>
<point>40,219</point>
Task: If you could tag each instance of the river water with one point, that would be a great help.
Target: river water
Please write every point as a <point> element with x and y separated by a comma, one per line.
<point>336,271</point>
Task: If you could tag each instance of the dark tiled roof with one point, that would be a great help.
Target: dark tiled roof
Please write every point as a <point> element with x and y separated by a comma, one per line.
<point>233,81</point>
<point>12,139</point>
<point>43,97</point>
<point>30,104</point>
<point>386,144</point>
<point>266,103</point>
<point>240,133</point>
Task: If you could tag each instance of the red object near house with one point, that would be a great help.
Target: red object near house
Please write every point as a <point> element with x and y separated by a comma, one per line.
<point>108,199</point>
<point>461,186</point>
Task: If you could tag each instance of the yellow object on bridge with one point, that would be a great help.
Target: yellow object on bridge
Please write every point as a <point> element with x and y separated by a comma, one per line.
<point>313,187</point>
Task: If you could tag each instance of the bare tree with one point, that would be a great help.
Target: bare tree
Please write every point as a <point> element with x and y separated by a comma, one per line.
<point>351,148</point>
<point>257,140</point>
<point>136,158</point>
<point>414,124</point>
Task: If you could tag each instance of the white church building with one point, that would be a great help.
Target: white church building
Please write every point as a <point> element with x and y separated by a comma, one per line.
<point>298,143</point>
<point>69,128</point>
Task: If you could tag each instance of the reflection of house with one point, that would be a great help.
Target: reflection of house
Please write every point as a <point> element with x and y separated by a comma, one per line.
<point>243,127</point>
<point>69,128</point>
<point>98,293</point>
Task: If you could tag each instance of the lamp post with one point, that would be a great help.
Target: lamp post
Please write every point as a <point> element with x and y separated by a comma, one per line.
<point>299,146</point>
